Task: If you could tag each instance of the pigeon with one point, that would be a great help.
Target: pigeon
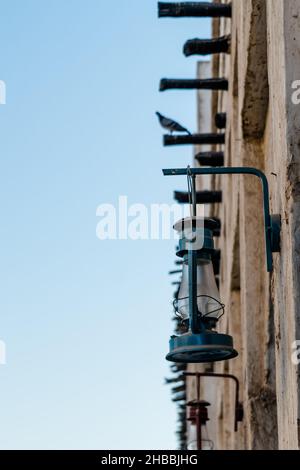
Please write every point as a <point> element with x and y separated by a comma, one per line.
<point>170,124</point>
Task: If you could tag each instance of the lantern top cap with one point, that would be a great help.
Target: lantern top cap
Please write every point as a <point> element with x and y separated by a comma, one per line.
<point>196,222</point>
<point>198,403</point>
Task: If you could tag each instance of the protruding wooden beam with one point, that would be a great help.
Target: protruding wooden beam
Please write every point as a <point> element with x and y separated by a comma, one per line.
<point>179,378</point>
<point>202,197</point>
<point>194,139</point>
<point>181,397</point>
<point>193,84</point>
<point>179,388</point>
<point>175,271</point>
<point>213,159</point>
<point>178,367</point>
<point>220,120</point>
<point>207,46</point>
<point>194,9</point>
<point>179,262</point>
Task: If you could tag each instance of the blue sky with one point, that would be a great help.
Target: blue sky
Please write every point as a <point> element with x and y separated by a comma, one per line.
<point>86,322</point>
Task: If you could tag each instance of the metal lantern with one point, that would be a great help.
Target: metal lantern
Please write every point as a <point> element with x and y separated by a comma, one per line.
<point>198,417</point>
<point>198,304</point>
<point>239,409</point>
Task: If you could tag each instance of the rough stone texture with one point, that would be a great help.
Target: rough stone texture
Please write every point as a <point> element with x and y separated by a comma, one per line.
<point>283,159</point>
<point>263,310</point>
<point>256,97</point>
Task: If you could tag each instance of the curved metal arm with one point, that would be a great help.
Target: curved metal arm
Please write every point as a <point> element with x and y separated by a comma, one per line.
<point>272,223</point>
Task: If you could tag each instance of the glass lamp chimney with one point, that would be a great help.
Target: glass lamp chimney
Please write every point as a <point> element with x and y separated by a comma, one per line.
<point>208,297</point>
<point>209,305</point>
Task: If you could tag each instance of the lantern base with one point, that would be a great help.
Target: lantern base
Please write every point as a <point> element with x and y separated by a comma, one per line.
<point>208,346</point>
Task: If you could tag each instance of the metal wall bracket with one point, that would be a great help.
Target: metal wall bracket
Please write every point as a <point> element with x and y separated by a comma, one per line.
<point>272,222</point>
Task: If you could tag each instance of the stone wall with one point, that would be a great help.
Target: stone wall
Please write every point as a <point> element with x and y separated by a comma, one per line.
<point>262,310</point>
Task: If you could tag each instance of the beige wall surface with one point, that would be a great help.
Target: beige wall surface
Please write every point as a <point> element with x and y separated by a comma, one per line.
<point>262,309</point>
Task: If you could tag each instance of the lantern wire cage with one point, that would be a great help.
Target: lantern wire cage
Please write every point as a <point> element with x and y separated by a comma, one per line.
<point>210,444</point>
<point>179,315</point>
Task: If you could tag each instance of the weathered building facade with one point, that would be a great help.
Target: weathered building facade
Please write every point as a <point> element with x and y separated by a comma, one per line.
<point>262,309</point>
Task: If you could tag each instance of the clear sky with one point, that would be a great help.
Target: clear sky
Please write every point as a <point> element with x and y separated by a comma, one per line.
<point>86,322</point>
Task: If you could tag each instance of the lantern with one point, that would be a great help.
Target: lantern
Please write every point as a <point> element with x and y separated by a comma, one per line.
<point>198,303</point>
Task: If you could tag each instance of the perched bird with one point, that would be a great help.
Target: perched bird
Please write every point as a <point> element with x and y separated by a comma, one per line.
<point>170,124</point>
